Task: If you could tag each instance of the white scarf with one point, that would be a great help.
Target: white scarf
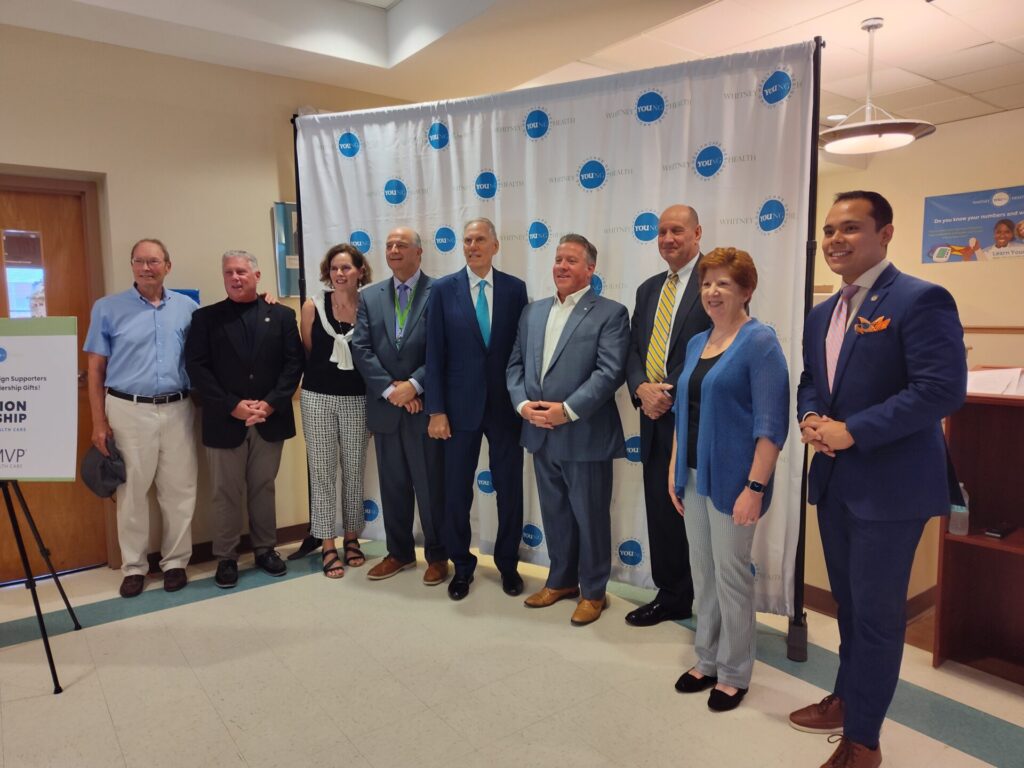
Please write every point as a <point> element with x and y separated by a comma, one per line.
<point>341,355</point>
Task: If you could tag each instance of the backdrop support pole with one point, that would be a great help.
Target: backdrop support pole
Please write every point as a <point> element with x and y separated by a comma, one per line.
<point>796,640</point>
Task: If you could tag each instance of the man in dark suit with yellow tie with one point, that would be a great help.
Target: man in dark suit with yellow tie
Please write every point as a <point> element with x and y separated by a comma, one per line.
<point>668,314</point>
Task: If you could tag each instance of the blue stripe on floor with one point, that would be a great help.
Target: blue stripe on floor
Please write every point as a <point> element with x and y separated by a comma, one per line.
<point>946,720</point>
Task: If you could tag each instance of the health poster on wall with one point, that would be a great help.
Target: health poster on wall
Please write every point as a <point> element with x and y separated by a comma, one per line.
<point>38,398</point>
<point>974,226</point>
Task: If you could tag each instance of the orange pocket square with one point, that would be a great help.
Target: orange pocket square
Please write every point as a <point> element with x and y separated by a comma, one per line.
<point>871,326</point>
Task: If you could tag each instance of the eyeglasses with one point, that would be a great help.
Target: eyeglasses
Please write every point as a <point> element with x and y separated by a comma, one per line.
<point>151,263</point>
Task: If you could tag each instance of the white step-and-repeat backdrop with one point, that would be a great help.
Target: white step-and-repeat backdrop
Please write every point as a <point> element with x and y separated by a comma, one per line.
<point>729,136</point>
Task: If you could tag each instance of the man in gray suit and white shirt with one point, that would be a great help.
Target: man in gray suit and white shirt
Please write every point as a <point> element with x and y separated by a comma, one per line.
<point>567,362</point>
<point>389,348</point>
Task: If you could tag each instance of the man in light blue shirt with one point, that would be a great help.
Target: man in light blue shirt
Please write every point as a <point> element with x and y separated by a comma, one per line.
<point>138,395</point>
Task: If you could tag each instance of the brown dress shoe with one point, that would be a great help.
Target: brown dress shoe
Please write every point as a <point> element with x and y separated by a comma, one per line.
<point>175,579</point>
<point>387,568</point>
<point>824,717</point>
<point>548,596</point>
<point>850,754</point>
<point>132,586</point>
<point>436,573</point>
<point>588,611</point>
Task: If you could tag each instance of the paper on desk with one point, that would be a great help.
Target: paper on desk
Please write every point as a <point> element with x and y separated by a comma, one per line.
<point>996,381</point>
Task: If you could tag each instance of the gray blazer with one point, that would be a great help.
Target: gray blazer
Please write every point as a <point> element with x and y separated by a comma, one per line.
<point>587,367</point>
<point>380,359</point>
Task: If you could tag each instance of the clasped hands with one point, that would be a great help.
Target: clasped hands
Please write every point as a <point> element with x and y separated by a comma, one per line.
<point>825,435</point>
<point>544,414</point>
<point>655,400</point>
<point>404,395</point>
<point>252,411</point>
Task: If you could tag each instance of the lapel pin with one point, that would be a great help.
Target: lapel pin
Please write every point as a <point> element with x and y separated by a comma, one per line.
<point>266,319</point>
<point>875,297</point>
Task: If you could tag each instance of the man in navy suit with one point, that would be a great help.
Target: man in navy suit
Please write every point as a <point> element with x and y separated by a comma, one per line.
<point>389,347</point>
<point>567,362</point>
<point>471,326</point>
<point>884,362</point>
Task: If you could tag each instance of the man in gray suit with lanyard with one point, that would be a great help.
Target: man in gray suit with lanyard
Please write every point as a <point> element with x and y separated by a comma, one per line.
<point>389,348</point>
<point>567,362</point>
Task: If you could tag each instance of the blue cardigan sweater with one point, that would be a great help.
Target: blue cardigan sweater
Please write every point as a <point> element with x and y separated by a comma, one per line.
<point>745,396</point>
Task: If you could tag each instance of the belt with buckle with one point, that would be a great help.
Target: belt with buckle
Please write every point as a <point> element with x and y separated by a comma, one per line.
<point>173,397</point>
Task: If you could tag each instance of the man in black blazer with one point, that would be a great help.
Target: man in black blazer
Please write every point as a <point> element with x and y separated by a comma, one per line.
<point>244,359</point>
<point>657,346</point>
<point>389,348</point>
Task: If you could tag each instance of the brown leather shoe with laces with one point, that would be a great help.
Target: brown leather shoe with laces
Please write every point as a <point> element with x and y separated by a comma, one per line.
<point>387,568</point>
<point>824,717</point>
<point>850,754</point>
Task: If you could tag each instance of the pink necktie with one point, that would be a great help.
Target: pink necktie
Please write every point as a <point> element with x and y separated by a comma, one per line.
<point>836,332</point>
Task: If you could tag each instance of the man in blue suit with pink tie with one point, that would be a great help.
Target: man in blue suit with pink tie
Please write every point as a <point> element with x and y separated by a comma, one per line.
<point>884,362</point>
<point>472,319</point>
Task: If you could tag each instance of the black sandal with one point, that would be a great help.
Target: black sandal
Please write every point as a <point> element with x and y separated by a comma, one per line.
<point>333,565</point>
<point>353,552</point>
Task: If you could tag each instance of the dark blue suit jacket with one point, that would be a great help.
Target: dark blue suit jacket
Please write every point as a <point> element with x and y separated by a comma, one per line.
<point>892,388</point>
<point>463,377</point>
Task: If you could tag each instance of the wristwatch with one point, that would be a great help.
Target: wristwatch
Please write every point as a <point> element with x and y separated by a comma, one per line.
<point>755,486</point>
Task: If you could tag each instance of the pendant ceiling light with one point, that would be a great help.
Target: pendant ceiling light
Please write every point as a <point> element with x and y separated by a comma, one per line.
<point>879,130</point>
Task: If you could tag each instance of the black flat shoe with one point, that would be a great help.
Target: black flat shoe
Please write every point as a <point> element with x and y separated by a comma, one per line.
<point>720,701</point>
<point>458,587</point>
<point>688,683</point>
<point>309,544</point>
<point>512,583</point>
<point>655,613</point>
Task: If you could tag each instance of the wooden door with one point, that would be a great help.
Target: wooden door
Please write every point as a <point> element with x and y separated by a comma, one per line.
<point>54,218</point>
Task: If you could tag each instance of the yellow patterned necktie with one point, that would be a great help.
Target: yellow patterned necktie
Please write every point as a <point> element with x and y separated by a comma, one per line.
<point>657,350</point>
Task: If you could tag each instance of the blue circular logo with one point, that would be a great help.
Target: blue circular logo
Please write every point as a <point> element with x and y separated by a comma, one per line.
<point>538,234</point>
<point>348,144</point>
<point>532,536</point>
<point>484,481</point>
<point>645,226</point>
<point>3,354</point>
<point>395,191</point>
<point>709,161</point>
<point>360,240</point>
<point>438,136</point>
<point>650,107</point>
<point>444,239</point>
<point>596,283</point>
<point>370,510</point>
<point>633,449</point>
<point>630,552</point>
<point>592,174</point>
<point>776,87</point>
<point>486,185</point>
<point>536,124</point>
<point>772,215</point>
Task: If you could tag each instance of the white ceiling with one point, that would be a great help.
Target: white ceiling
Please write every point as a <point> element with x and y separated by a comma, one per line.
<point>940,61</point>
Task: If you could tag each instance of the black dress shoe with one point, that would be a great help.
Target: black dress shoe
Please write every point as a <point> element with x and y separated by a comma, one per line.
<point>271,563</point>
<point>720,701</point>
<point>132,586</point>
<point>227,574</point>
<point>688,683</point>
<point>655,613</point>
<point>458,587</point>
<point>512,583</point>
<point>308,545</point>
<point>175,579</point>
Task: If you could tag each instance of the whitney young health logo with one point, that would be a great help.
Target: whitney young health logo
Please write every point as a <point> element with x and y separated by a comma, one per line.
<point>395,191</point>
<point>776,87</point>
<point>772,215</point>
<point>538,233</point>
<point>708,160</point>
<point>536,124</point>
<point>486,185</point>
<point>348,144</point>
<point>533,536</point>
<point>444,239</point>
<point>485,482</point>
<point>631,553</point>
<point>592,174</point>
<point>437,136</point>
<point>371,510</point>
<point>650,107</point>
<point>645,226</point>
<point>361,240</point>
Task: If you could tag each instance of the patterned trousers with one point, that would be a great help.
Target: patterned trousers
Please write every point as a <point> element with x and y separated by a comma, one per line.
<point>335,429</point>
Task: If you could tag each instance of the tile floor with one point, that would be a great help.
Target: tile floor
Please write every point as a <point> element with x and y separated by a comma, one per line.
<point>306,671</point>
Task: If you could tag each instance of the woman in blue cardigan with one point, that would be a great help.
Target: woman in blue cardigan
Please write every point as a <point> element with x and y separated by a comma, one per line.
<point>731,410</point>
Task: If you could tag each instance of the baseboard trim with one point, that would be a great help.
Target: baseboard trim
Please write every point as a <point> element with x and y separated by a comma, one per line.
<point>821,600</point>
<point>203,552</point>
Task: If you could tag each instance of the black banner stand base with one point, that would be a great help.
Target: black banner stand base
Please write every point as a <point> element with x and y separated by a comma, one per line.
<point>30,582</point>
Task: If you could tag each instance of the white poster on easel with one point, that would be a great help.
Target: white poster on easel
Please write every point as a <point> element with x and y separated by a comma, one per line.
<point>38,398</point>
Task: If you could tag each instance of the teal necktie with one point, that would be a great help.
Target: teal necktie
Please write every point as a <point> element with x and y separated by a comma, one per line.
<point>482,316</point>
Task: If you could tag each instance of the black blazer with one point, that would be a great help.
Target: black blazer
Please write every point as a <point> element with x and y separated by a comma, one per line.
<point>690,320</point>
<point>223,373</point>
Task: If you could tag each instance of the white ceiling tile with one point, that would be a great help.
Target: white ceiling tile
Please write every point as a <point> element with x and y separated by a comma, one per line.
<point>987,79</point>
<point>1010,97</point>
<point>999,19</point>
<point>901,101</point>
<point>640,52</point>
<point>960,108</point>
<point>787,13</point>
<point>885,81</point>
<point>834,104</point>
<point>713,28</point>
<point>965,61</point>
<point>575,70</point>
<point>1016,43</point>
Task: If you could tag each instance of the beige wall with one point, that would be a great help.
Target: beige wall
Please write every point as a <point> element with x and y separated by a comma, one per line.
<point>192,153</point>
<point>976,154</point>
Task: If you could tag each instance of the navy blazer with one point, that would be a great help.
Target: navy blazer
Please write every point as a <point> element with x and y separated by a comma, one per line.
<point>465,378</point>
<point>892,388</point>
<point>380,359</point>
<point>586,369</point>
<point>223,372</point>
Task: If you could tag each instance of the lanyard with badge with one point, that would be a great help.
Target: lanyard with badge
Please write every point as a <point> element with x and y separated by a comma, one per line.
<point>401,315</point>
